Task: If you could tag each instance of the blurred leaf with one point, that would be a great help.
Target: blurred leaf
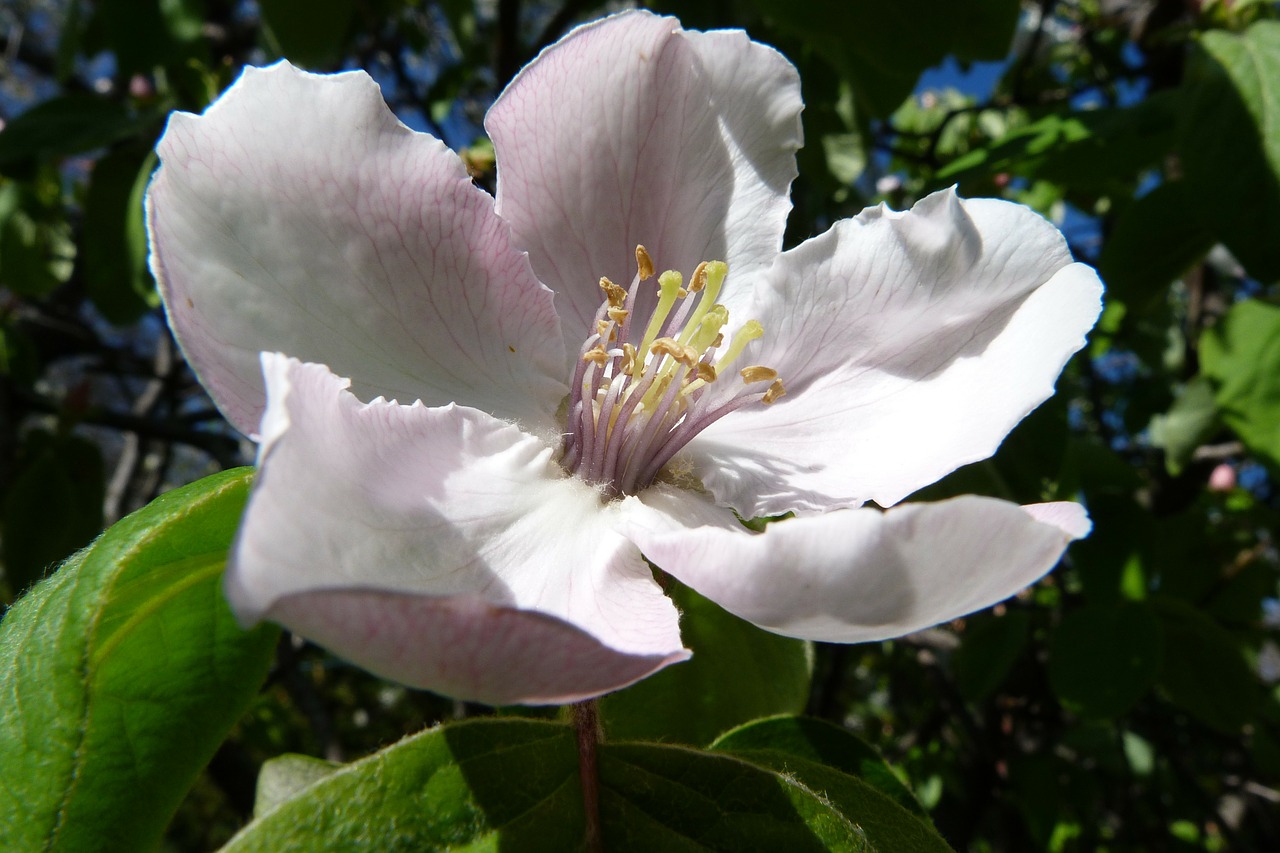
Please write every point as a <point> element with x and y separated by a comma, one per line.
<point>1103,658</point>
<point>1204,669</point>
<point>1241,356</point>
<point>988,650</point>
<point>145,34</point>
<point>115,237</point>
<point>1190,421</point>
<point>820,742</point>
<point>1087,149</point>
<point>1156,239</point>
<point>52,507</point>
<point>121,674</point>
<point>1231,147</point>
<point>513,784</point>
<point>865,41</point>
<point>61,126</point>
<point>738,672</point>
<point>311,33</point>
<point>36,251</point>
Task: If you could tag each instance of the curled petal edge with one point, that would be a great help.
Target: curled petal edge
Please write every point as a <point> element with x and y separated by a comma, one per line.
<point>465,647</point>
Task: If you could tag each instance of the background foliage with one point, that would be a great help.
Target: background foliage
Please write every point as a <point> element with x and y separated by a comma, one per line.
<point>1127,702</point>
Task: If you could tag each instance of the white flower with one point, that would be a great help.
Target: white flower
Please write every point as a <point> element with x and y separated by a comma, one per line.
<point>486,541</point>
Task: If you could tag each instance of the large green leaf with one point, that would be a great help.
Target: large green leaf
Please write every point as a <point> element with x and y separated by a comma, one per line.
<point>1190,421</point>
<point>848,772</point>
<point>60,126</point>
<point>1204,669</point>
<point>513,785</point>
<point>1156,239</point>
<point>820,742</point>
<point>308,32</point>
<point>114,237</point>
<point>121,674</point>
<point>738,673</point>
<point>865,43</point>
<point>1104,657</point>
<point>1231,149</point>
<point>1241,356</point>
<point>989,649</point>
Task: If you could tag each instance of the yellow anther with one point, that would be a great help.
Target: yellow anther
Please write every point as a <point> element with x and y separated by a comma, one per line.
<point>706,372</point>
<point>699,279</point>
<point>596,354</point>
<point>686,355</point>
<point>628,357</point>
<point>719,340</point>
<point>604,328</point>
<point>758,373</point>
<point>616,295</point>
<point>644,263</point>
<point>712,274</point>
<point>618,315</point>
<point>775,391</point>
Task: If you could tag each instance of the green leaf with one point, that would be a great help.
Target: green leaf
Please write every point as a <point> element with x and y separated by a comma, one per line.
<point>36,250</point>
<point>1086,150</point>
<point>820,742</point>
<point>864,41</point>
<point>52,507</point>
<point>989,649</point>
<point>1231,143</point>
<point>848,773</point>
<point>1204,669</point>
<point>1104,657</point>
<point>121,674</point>
<point>1156,239</point>
<point>738,672</point>
<point>115,237</point>
<point>70,124</point>
<point>1241,356</point>
<point>513,785</point>
<point>307,32</point>
<point>145,33</point>
<point>1190,421</point>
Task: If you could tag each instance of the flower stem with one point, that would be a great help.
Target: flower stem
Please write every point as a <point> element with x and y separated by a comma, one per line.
<point>586,722</point>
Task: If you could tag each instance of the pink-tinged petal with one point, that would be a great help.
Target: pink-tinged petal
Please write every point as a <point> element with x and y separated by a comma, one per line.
<point>465,647</point>
<point>857,575</point>
<point>630,130</point>
<point>447,512</point>
<point>298,214</point>
<point>909,344</point>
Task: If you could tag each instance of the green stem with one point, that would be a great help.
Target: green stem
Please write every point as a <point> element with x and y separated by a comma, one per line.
<point>586,722</point>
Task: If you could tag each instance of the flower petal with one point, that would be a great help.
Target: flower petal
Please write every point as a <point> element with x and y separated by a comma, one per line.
<point>909,344</point>
<point>630,130</point>
<point>857,575</point>
<point>298,214</point>
<point>444,513</point>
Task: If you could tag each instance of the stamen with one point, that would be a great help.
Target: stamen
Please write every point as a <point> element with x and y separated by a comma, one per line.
<point>637,399</point>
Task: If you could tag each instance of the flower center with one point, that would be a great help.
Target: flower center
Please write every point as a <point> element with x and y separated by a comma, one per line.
<point>643,390</point>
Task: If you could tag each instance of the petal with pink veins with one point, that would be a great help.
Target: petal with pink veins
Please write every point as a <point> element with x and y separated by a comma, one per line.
<point>425,544</point>
<point>909,345</point>
<point>299,214</point>
<point>632,131</point>
<point>856,575</point>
